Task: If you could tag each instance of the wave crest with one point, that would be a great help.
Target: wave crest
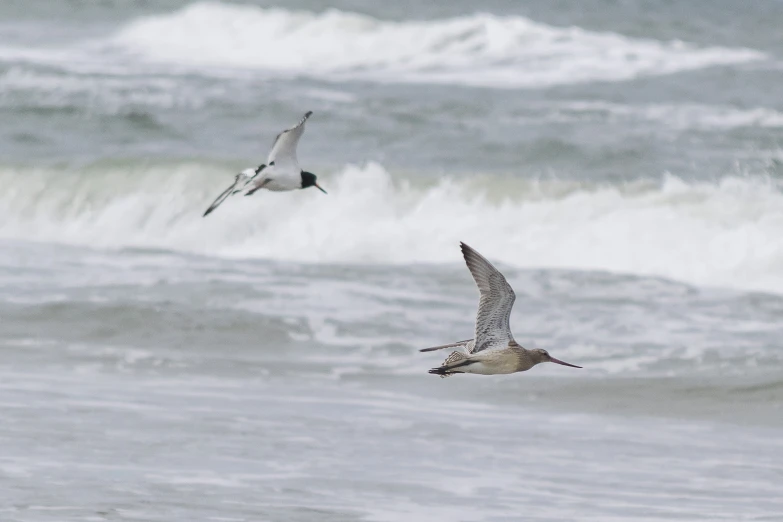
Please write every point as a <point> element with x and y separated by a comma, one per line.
<point>728,233</point>
<point>479,49</point>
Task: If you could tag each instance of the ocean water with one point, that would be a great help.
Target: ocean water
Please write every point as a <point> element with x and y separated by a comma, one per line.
<point>620,162</point>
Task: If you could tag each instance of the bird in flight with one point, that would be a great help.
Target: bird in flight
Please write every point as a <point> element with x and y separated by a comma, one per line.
<point>493,350</point>
<point>281,172</point>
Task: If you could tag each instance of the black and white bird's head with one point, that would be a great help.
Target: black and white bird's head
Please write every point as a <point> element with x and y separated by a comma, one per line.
<point>308,180</point>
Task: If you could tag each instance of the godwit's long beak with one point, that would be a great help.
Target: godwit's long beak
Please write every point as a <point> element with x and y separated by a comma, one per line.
<point>558,361</point>
<point>319,188</point>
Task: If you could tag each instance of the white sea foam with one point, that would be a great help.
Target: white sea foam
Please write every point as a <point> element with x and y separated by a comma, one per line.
<point>728,233</point>
<point>682,116</point>
<point>478,49</point>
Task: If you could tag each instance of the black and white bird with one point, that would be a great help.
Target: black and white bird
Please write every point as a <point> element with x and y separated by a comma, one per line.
<point>281,172</point>
<point>493,351</point>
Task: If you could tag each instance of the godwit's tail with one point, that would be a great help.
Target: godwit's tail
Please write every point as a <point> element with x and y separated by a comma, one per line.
<point>453,361</point>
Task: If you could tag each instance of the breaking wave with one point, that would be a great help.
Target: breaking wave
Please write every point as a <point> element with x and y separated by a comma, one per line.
<point>727,233</point>
<point>479,49</point>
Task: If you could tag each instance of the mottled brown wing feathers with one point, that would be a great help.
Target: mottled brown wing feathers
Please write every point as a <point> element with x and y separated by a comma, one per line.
<point>497,299</point>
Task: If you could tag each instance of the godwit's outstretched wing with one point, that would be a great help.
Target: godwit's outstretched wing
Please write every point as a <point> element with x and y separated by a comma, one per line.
<point>467,344</point>
<point>283,153</point>
<point>497,298</point>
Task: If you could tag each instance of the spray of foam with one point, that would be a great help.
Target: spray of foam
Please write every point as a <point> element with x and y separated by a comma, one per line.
<point>478,49</point>
<point>728,233</point>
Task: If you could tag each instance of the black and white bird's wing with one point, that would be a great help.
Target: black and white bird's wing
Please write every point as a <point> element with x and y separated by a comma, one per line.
<point>241,179</point>
<point>497,299</point>
<point>283,153</point>
<point>220,199</point>
<point>467,345</point>
<point>245,177</point>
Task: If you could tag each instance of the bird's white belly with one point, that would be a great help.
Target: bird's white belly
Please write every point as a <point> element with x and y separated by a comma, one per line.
<point>478,368</point>
<point>278,182</point>
<point>276,186</point>
<point>492,363</point>
<point>280,178</point>
<point>488,368</point>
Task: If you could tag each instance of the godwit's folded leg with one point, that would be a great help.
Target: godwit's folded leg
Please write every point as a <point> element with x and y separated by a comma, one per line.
<point>452,362</point>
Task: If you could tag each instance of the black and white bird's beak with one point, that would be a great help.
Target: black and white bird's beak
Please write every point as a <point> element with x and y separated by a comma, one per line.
<point>319,188</point>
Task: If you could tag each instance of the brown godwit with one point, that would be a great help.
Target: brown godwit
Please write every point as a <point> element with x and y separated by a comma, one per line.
<point>493,350</point>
